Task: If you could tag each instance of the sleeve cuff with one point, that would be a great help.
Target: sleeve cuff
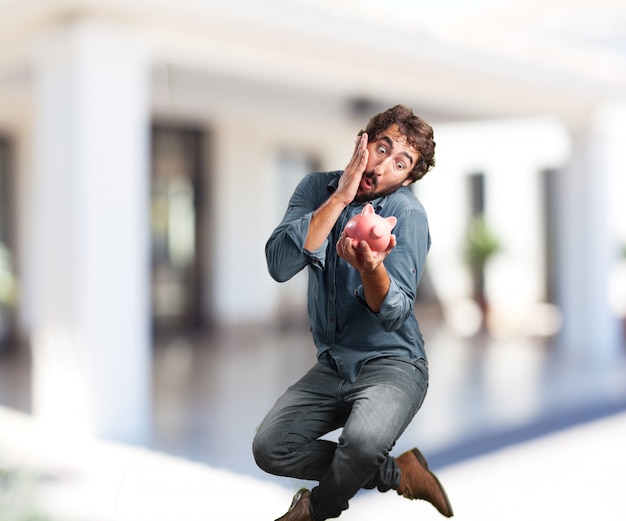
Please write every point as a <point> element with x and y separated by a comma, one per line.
<point>298,231</point>
<point>391,304</point>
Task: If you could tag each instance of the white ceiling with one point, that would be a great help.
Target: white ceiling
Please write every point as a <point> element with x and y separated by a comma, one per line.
<point>453,58</point>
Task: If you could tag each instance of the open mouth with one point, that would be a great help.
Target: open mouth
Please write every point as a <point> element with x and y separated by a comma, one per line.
<point>367,183</point>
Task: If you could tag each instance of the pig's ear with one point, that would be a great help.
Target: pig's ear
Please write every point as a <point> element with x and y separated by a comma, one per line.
<point>368,208</point>
<point>392,221</point>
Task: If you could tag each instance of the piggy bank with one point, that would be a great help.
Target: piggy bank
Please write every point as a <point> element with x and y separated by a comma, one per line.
<point>370,227</point>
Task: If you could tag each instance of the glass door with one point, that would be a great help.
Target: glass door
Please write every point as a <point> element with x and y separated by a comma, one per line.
<point>176,268</point>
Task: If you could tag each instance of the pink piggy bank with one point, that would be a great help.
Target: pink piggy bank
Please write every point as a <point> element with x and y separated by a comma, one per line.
<point>370,227</point>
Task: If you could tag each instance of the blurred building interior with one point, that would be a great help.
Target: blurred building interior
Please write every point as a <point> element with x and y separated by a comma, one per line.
<point>148,148</point>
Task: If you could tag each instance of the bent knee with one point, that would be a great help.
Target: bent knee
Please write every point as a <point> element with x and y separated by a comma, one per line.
<point>266,451</point>
<point>368,449</point>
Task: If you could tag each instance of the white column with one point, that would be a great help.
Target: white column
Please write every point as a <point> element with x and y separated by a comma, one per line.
<point>91,337</point>
<point>614,117</point>
<point>240,291</point>
<point>585,246</point>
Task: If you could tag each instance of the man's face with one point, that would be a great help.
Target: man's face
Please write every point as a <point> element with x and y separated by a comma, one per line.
<point>389,162</point>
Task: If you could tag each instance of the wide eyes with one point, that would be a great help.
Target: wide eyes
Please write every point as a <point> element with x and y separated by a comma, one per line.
<point>382,149</point>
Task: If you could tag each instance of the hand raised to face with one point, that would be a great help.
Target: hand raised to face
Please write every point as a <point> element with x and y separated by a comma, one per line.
<point>350,180</point>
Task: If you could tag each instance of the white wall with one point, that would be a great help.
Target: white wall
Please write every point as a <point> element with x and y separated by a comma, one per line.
<point>511,155</point>
<point>249,203</point>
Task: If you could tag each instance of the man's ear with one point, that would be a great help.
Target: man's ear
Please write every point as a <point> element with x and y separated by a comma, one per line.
<point>407,181</point>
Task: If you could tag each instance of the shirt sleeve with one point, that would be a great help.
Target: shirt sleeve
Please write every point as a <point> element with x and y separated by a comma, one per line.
<point>404,265</point>
<point>284,250</point>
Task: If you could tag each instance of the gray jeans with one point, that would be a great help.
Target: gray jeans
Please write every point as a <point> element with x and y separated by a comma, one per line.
<point>373,411</point>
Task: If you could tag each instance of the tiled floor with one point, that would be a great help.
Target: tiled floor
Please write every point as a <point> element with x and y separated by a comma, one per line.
<point>211,392</point>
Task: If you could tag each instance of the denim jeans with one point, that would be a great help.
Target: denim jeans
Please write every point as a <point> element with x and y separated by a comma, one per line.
<point>373,411</point>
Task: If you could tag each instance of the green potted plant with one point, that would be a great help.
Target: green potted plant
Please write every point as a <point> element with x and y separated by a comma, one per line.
<point>480,245</point>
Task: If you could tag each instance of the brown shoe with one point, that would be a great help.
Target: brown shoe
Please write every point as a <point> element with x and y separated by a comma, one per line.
<point>299,509</point>
<point>417,482</point>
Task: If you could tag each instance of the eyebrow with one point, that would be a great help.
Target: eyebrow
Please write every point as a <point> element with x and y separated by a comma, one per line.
<point>390,144</point>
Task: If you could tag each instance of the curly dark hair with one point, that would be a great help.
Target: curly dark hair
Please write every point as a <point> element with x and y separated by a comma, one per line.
<point>418,133</point>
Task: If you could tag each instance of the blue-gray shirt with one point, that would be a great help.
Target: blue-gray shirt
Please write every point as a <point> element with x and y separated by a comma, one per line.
<point>346,331</point>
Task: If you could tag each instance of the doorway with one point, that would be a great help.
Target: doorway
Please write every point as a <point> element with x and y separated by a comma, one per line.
<point>176,207</point>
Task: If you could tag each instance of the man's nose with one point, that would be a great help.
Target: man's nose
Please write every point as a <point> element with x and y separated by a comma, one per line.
<point>381,166</point>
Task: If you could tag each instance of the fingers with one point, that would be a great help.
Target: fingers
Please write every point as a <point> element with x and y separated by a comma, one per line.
<point>361,142</point>
<point>349,181</point>
<point>361,152</point>
<point>342,246</point>
<point>360,256</point>
<point>358,143</point>
<point>359,157</point>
